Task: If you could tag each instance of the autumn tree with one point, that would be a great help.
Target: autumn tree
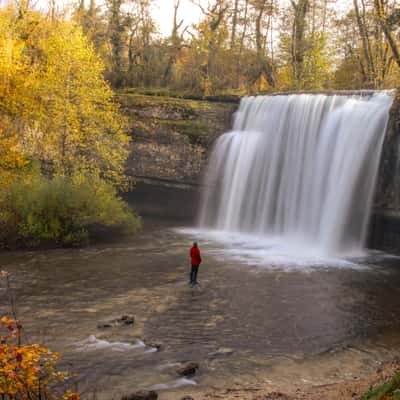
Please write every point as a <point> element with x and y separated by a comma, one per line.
<point>305,57</point>
<point>211,41</point>
<point>94,26</point>
<point>72,121</point>
<point>62,139</point>
<point>298,42</point>
<point>388,25</point>
<point>245,46</point>
<point>53,97</point>
<point>117,34</point>
<point>145,61</point>
<point>263,13</point>
<point>350,72</point>
<point>370,54</point>
<point>175,44</point>
<point>14,75</point>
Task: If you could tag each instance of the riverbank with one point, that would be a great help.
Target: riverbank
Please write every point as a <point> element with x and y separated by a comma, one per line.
<point>293,386</point>
<point>350,389</point>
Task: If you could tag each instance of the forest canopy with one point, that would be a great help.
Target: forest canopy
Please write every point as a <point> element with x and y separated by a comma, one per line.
<point>248,46</point>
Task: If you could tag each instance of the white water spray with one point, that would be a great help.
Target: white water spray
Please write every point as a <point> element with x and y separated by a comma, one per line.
<point>298,167</point>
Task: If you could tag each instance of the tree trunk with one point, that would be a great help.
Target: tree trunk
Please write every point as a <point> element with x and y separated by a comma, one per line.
<point>234,24</point>
<point>388,34</point>
<point>176,46</point>
<point>243,35</point>
<point>266,68</point>
<point>365,41</point>
<point>298,32</point>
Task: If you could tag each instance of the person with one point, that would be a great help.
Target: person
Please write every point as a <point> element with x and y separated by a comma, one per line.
<point>195,260</point>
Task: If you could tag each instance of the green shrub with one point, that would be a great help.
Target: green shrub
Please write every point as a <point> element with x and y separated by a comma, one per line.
<point>388,390</point>
<point>36,211</point>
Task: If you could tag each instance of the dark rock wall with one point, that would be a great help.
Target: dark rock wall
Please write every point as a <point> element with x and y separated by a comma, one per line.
<point>385,219</point>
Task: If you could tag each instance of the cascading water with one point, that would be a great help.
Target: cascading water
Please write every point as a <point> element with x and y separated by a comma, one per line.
<point>300,167</point>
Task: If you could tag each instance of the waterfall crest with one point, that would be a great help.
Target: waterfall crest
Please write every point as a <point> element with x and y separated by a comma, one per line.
<point>298,167</point>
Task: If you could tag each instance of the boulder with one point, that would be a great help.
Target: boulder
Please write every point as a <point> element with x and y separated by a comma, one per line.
<point>189,368</point>
<point>142,395</point>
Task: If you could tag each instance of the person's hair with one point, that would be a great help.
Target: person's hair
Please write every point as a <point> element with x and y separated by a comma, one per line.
<point>195,244</point>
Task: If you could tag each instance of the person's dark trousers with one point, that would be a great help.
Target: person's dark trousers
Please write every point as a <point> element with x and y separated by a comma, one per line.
<point>193,274</point>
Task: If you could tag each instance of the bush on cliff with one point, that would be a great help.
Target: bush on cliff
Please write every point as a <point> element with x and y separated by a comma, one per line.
<point>67,211</point>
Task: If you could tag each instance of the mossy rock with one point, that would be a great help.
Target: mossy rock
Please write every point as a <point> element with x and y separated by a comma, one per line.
<point>224,97</point>
<point>199,121</point>
<point>197,131</point>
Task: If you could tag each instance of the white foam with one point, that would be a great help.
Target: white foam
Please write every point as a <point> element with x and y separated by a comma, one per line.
<point>151,350</point>
<point>92,343</point>
<point>173,384</point>
<point>271,252</point>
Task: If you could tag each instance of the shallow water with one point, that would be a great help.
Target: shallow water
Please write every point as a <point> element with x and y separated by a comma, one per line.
<point>248,319</point>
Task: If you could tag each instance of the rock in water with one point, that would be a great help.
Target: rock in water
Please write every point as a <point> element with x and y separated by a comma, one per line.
<point>188,369</point>
<point>222,351</point>
<point>126,320</point>
<point>104,326</point>
<point>156,345</point>
<point>276,396</point>
<point>142,395</point>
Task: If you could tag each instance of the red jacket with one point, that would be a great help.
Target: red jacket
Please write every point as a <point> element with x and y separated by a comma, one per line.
<point>195,255</point>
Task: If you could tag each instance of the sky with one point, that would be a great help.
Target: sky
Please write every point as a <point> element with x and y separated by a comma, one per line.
<point>164,11</point>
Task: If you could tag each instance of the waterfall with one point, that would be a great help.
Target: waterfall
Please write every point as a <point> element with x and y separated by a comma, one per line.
<point>298,167</point>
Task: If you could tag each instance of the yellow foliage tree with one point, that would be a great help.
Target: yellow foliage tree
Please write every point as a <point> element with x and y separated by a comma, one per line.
<point>54,98</point>
<point>13,74</point>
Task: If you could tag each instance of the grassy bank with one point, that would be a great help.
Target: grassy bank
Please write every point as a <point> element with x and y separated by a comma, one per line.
<point>224,97</point>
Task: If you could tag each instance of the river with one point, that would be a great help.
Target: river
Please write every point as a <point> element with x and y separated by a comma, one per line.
<point>245,323</point>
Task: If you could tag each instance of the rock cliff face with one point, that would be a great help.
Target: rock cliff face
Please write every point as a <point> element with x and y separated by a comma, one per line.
<point>385,222</point>
<point>171,136</point>
<point>388,187</point>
